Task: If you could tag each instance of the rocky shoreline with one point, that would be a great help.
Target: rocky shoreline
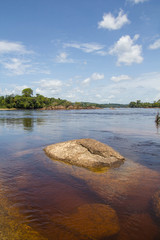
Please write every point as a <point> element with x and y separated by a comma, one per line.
<point>71,107</point>
<point>59,107</point>
<point>7,109</point>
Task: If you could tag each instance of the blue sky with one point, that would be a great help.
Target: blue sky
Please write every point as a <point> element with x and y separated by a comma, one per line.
<point>90,50</point>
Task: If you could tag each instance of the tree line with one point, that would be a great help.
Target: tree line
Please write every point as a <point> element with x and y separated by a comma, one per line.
<point>28,101</point>
<point>139,104</point>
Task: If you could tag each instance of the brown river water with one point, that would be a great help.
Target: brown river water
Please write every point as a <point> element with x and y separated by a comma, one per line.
<point>44,199</point>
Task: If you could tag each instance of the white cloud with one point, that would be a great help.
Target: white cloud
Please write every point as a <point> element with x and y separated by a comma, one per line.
<point>155,45</point>
<point>111,96</point>
<point>145,87</point>
<point>50,83</point>
<point>138,1</point>
<point>49,87</point>
<point>16,66</point>
<point>86,47</point>
<point>15,90</point>
<point>113,23</point>
<point>63,58</point>
<point>21,66</point>
<point>94,77</point>
<point>97,76</point>
<point>16,59</point>
<point>102,53</point>
<point>127,51</point>
<point>120,78</point>
<point>12,47</point>
<point>87,80</point>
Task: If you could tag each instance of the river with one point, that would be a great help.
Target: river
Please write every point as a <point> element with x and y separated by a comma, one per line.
<point>38,193</point>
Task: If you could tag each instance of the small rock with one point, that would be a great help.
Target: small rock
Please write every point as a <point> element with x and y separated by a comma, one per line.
<point>87,153</point>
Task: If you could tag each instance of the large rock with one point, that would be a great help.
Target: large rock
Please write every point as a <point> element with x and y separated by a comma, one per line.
<point>91,221</point>
<point>87,153</point>
<point>156,204</point>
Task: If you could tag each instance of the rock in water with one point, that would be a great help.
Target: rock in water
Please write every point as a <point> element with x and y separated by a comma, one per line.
<point>92,221</point>
<point>87,153</point>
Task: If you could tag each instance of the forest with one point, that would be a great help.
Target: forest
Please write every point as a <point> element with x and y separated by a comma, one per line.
<point>139,104</point>
<point>28,101</point>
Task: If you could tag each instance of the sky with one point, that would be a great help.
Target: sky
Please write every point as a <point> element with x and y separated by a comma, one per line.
<point>103,51</point>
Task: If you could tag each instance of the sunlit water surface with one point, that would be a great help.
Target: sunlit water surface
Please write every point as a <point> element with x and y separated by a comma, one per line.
<point>43,190</point>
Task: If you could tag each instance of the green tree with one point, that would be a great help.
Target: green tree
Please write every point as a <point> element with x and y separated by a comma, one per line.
<point>27,92</point>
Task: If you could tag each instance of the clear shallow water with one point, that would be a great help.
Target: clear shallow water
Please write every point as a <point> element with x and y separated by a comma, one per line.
<point>43,190</point>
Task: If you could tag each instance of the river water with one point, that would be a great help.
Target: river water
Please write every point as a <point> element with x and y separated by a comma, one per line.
<point>40,193</point>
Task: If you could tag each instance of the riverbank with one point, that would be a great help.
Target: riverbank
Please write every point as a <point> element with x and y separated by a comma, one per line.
<point>7,109</point>
<point>60,107</point>
<point>71,107</point>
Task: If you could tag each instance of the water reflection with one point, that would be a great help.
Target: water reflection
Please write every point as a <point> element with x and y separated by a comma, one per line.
<point>157,122</point>
<point>27,122</point>
<point>158,127</point>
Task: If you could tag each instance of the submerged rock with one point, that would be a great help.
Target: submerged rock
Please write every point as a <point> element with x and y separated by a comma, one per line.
<point>156,204</point>
<point>12,225</point>
<point>92,221</point>
<point>87,153</point>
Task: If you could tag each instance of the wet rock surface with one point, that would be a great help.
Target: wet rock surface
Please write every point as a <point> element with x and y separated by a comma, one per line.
<point>87,153</point>
<point>92,221</point>
<point>12,225</point>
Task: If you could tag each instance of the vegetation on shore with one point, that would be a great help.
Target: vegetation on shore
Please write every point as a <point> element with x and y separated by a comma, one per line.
<point>28,101</point>
<point>139,104</point>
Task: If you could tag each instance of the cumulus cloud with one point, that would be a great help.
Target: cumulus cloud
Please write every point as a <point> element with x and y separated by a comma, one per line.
<point>14,90</point>
<point>16,66</point>
<point>63,58</point>
<point>120,78</point>
<point>94,77</point>
<point>145,87</point>
<point>87,47</point>
<point>12,47</point>
<point>127,51</point>
<point>155,45</point>
<point>87,80</point>
<point>49,87</point>
<point>97,76</point>
<point>113,23</point>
